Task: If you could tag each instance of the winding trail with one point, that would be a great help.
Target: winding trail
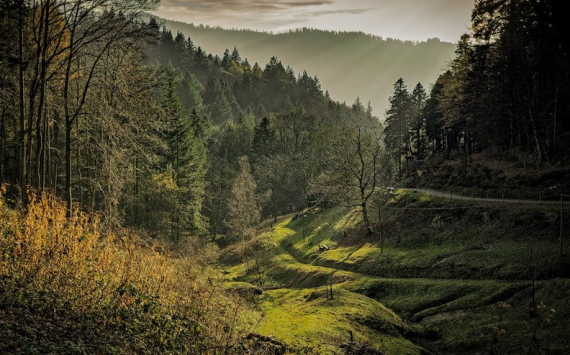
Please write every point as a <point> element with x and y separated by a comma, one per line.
<point>452,196</point>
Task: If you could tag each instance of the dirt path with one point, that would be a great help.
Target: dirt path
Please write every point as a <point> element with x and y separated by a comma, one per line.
<point>454,196</point>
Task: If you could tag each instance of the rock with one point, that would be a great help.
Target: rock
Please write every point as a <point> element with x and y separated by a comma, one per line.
<point>258,343</point>
<point>360,349</point>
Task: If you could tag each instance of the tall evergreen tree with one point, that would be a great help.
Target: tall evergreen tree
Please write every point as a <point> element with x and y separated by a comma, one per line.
<point>235,57</point>
<point>263,141</point>
<point>433,114</point>
<point>186,137</point>
<point>418,99</point>
<point>398,123</point>
<point>226,59</point>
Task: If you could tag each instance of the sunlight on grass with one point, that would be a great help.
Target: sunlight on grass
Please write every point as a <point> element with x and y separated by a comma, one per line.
<point>291,315</point>
<point>447,289</point>
<point>350,219</point>
<point>362,253</point>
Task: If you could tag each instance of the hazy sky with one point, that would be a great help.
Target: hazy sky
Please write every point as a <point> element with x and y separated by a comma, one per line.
<point>403,19</point>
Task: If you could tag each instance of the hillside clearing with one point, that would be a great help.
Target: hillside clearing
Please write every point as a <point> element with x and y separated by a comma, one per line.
<point>470,292</point>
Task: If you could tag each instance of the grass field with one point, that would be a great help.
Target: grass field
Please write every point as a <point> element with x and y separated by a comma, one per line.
<point>463,286</point>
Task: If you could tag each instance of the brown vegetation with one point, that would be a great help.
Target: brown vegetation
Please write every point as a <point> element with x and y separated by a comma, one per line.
<point>68,286</point>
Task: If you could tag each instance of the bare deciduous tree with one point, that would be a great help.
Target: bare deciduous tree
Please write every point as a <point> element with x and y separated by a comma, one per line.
<point>357,167</point>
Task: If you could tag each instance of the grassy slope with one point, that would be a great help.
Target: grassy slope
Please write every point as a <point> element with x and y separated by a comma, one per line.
<point>467,295</point>
<point>299,302</point>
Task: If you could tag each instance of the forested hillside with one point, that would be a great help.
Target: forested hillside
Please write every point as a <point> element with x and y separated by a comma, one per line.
<point>117,116</point>
<point>346,63</point>
<point>506,93</point>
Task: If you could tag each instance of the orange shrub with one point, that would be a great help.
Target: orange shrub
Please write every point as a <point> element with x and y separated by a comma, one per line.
<point>72,264</point>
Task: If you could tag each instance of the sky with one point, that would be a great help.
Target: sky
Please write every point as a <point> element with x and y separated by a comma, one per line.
<point>415,20</point>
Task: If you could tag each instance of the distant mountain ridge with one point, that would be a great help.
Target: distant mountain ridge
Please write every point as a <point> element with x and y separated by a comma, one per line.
<point>348,64</point>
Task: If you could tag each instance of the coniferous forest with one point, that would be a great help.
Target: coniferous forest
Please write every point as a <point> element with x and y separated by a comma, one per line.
<point>345,62</point>
<point>506,88</point>
<point>156,198</point>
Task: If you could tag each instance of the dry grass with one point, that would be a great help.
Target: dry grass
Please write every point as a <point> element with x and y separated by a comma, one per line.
<point>135,293</point>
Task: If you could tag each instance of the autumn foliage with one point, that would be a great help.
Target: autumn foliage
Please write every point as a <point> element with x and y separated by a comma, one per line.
<point>107,291</point>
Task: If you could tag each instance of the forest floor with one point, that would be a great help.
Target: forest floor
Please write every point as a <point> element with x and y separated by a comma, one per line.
<point>446,277</point>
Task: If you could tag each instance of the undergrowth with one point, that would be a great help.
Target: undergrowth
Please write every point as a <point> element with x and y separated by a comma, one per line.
<point>69,287</point>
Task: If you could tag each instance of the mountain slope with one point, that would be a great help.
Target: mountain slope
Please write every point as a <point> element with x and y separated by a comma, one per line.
<point>348,64</point>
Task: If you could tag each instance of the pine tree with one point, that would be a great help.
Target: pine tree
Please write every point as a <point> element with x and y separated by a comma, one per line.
<point>235,57</point>
<point>263,141</point>
<point>191,93</point>
<point>357,106</point>
<point>369,115</point>
<point>398,123</point>
<point>192,171</point>
<point>185,162</point>
<point>219,100</point>
<point>433,114</point>
<point>418,99</point>
<point>226,60</point>
<point>180,41</point>
<point>190,45</point>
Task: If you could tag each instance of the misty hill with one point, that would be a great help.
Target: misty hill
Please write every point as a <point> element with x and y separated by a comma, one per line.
<point>348,64</point>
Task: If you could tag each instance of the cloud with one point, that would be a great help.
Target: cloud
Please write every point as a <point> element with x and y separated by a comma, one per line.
<point>340,12</point>
<point>210,6</point>
<point>404,19</point>
<point>305,3</point>
<point>254,14</point>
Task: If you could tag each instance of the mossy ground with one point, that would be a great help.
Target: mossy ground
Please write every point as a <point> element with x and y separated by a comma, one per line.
<point>463,287</point>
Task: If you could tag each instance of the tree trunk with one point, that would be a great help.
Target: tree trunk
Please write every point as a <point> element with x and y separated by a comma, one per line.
<point>561,225</point>
<point>77,165</point>
<point>68,127</point>
<point>380,229</point>
<point>42,79</point>
<point>2,143</point>
<point>419,146</point>
<point>365,218</point>
<point>399,161</point>
<point>554,149</point>
<point>23,155</point>
<point>56,159</point>
<point>42,181</point>
<point>68,195</point>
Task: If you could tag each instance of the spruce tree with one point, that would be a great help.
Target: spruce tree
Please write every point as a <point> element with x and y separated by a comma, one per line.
<point>398,123</point>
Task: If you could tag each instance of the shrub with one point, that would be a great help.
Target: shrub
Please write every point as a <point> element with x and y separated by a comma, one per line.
<point>130,294</point>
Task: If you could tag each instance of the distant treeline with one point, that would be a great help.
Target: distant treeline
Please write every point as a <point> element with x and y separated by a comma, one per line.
<point>348,64</point>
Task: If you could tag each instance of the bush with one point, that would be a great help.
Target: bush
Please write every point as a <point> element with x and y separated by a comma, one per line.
<point>113,290</point>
